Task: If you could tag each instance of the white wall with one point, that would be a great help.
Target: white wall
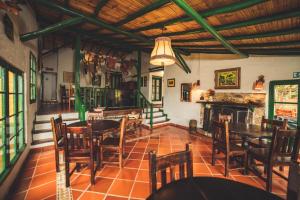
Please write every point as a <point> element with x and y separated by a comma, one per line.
<point>17,54</point>
<point>273,68</point>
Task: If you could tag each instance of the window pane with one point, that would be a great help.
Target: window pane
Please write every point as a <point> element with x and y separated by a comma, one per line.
<point>286,93</point>
<point>2,132</point>
<point>2,106</point>
<point>20,102</point>
<point>20,84</point>
<point>2,160</point>
<point>20,120</point>
<point>1,79</point>
<point>12,126</point>
<point>11,102</point>
<point>12,148</point>
<point>11,82</point>
<point>21,138</point>
<point>287,111</point>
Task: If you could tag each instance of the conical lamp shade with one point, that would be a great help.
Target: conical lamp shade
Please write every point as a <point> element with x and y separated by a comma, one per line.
<point>162,54</point>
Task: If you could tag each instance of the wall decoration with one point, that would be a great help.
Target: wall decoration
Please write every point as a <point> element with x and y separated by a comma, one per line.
<point>171,82</point>
<point>259,83</point>
<point>228,78</point>
<point>186,92</point>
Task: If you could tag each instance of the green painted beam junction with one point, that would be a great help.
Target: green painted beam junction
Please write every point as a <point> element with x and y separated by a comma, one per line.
<point>226,9</point>
<point>252,22</point>
<point>198,18</point>
<point>153,6</point>
<point>51,28</point>
<point>99,6</point>
<point>243,37</point>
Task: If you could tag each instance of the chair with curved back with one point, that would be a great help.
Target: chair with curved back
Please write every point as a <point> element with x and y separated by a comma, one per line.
<point>57,138</point>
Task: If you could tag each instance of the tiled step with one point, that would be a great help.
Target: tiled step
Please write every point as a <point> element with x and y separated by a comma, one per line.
<point>155,114</point>
<point>43,135</point>
<point>160,122</point>
<point>157,119</point>
<point>41,141</point>
<point>154,110</point>
<point>65,116</point>
<point>47,125</point>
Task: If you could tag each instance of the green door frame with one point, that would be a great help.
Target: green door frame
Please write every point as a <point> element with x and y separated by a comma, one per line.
<point>157,78</point>
<point>272,97</point>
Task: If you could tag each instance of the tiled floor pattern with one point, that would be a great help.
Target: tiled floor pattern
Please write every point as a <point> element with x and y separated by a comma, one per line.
<point>38,177</point>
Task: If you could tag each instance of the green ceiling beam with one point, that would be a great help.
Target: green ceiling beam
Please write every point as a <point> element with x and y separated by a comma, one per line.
<point>51,28</point>
<point>99,6</point>
<point>198,18</point>
<point>153,6</point>
<point>271,44</point>
<point>242,37</point>
<point>182,62</point>
<point>251,22</point>
<point>226,9</point>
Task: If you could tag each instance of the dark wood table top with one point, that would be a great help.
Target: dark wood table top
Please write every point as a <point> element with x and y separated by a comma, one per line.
<point>250,130</point>
<point>210,188</point>
<point>98,126</point>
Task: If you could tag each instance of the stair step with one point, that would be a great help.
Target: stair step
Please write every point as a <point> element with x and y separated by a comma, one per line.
<point>41,131</point>
<point>42,135</point>
<point>48,121</point>
<point>162,121</point>
<point>41,141</point>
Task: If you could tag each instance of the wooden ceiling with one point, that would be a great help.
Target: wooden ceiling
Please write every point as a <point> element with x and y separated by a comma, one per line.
<point>261,27</point>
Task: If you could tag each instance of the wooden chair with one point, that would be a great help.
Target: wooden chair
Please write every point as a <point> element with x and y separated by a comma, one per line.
<point>80,148</point>
<point>63,95</point>
<point>293,188</point>
<point>134,122</point>
<point>267,124</point>
<point>221,143</point>
<point>234,138</point>
<point>57,138</point>
<point>284,148</point>
<point>71,95</point>
<point>114,144</point>
<point>161,163</point>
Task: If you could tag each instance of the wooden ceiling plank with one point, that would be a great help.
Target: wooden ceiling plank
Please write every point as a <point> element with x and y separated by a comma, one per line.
<point>157,4</point>
<point>251,22</point>
<point>226,9</point>
<point>198,18</point>
<point>241,37</point>
<point>99,6</point>
<point>51,28</point>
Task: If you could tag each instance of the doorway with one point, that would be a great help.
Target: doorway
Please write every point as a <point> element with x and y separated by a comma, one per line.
<point>156,88</point>
<point>284,101</point>
<point>49,82</point>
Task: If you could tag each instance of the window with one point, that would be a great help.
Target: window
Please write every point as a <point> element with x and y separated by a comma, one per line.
<point>284,101</point>
<point>156,88</point>
<point>32,78</point>
<point>12,139</point>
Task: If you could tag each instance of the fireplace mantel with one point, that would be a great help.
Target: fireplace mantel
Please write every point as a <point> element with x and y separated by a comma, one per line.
<point>233,104</point>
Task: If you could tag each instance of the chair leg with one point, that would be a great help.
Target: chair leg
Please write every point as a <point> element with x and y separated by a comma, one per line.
<point>92,171</point>
<point>269,178</point>
<point>67,168</point>
<point>226,164</point>
<point>57,160</point>
<point>246,164</point>
<point>101,157</point>
<point>213,159</point>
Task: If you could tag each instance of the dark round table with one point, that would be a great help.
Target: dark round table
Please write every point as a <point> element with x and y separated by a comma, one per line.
<point>210,188</point>
<point>99,127</point>
<point>249,130</point>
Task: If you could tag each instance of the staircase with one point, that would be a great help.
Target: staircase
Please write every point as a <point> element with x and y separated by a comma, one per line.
<point>159,117</point>
<point>42,133</point>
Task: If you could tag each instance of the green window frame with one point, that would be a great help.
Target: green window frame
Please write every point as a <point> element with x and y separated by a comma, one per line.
<point>12,135</point>
<point>32,64</point>
<point>156,88</point>
<point>272,101</point>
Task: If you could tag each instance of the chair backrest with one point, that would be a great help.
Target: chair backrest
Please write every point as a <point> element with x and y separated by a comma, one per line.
<point>95,115</point>
<point>77,141</point>
<point>223,118</point>
<point>273,123</point>
<point>285,145</point>
<point>122,133</point>
<point>220,134</point>
<point>293,188</point>
<point>183,159</point>
<point>55,126</point>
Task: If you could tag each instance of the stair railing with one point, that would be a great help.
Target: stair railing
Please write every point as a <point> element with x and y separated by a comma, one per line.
<point>144,103</point>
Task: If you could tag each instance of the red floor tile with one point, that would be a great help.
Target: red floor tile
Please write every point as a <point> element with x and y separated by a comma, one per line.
<point>128,174</point>
<point>109,172</point>
<point>121,187</point>
<point>91,196</point>
<point>101,185</point>
<point>42,192</point>
<point>140,190</point>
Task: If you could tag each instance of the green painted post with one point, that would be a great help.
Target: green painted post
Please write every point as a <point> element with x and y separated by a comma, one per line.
<point>77,59</point>
<point>138,70</point>
<point>151,115</point>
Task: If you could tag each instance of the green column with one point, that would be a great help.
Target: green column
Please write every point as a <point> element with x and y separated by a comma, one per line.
<point>77,58</point>
<point>138,85</point>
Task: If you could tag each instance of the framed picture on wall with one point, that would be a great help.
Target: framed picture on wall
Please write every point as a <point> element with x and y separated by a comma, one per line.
<point>228,78</point>
<point>171,82</point>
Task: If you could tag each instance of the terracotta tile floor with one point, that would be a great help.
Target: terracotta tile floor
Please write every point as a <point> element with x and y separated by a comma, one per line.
<point>37,180</point>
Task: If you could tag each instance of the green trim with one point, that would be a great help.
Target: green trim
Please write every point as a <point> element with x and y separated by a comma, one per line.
<point>153,6</point>
<point>77,58</point>
<point>202,22</point>
<point>52,28</point>
<point>182,62</point>
<point>226,9</point>
<point>272,98</point>
<point>32,82</point>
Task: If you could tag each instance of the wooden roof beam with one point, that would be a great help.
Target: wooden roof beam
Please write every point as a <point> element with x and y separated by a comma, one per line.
<point>226,9</point>
<point>51,28</point>
<point>157,4</point>
<point>99,6</point>
<point>292,51</point>
<point>198,18</point>
<point>251,22</point>
<point>243,37</point>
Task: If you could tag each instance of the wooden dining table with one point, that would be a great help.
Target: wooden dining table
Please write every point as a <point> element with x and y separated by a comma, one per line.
<point>210,188</point>
<point>99,126</point>
<point>250,130</point>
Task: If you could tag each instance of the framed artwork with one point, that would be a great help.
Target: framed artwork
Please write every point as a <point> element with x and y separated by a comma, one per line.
<point>228,78</point>
<point>171,82</point>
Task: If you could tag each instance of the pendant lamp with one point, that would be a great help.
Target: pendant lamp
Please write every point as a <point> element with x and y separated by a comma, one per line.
<point>162,54</point>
